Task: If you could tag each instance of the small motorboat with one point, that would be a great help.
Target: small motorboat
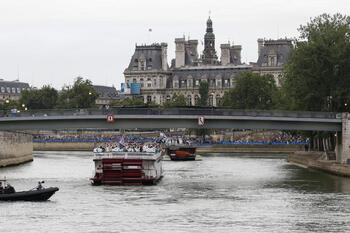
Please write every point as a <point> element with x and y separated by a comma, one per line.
<point>39,193</point>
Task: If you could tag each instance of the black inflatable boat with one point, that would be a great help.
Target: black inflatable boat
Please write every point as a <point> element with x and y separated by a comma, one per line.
<point>8,193</point>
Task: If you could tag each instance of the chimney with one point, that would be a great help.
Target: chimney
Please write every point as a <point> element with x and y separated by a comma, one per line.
<point>164,56</point>
<point>225,54</point>
<point>260,45</point>
<point>193,48</point>
<point>235,52</point>
<point>179,52</point>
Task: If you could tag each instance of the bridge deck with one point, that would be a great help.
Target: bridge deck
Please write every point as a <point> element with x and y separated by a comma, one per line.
<point>127,118</point>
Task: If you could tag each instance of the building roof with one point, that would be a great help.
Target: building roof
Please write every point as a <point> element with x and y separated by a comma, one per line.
<point>6,86</point>
<point>106,91</point>
<point>152,55</point>
<point>280,48</point>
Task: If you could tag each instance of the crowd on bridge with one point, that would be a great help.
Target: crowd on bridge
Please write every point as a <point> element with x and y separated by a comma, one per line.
<point>277,137</point>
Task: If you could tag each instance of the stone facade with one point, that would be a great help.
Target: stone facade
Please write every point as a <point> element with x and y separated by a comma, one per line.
<point>15,148</point>
<point>159,82</point>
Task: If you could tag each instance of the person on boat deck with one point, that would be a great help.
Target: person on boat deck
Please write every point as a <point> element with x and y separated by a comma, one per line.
<point>9,189</point>
<point>39,186</point>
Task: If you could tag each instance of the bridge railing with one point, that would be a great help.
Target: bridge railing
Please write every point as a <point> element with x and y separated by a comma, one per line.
<point>170,111</point>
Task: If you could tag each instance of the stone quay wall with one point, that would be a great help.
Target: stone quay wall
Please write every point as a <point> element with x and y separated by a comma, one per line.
<point>64,146</point>
<point>319,161</point>
<point>15,148</point>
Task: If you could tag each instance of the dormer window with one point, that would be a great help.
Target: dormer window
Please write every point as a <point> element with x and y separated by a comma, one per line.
<point>272,60</point>
<point>142,65</point>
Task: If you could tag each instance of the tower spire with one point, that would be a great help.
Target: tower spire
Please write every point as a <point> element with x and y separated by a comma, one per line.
<point>209,53</point>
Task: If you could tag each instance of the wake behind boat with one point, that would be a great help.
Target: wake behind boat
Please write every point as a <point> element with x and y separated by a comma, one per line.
<point>8,193</point>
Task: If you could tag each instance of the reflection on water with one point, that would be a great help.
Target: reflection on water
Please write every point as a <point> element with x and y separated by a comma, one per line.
<point>220,193</point>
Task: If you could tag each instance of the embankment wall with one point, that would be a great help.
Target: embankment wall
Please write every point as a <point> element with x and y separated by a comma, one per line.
<point>64,146</point>
<point>318,160</point>
<point>15,148</point>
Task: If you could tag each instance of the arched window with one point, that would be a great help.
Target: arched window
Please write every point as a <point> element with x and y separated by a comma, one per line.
<point>211,100</point>
<point>141,81</point>
<point>218,99</point>
<point>189,100</point>
<point>196,100</point>
<point>149,99</point>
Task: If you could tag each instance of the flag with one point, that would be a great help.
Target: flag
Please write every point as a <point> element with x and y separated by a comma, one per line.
<point>150,29</point>
<point>122,140</point>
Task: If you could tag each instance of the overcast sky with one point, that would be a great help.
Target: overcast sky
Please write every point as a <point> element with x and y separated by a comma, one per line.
<point>54,41</point>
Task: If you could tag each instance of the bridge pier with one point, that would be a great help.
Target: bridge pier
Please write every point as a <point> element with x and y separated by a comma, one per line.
<point>342,148</point>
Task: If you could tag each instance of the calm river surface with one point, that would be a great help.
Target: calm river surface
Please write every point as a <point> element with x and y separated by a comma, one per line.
<point>220,193</point>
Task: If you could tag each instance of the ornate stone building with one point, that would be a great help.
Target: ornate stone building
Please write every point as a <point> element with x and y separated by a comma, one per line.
<point>158,82</point>
<point>272,54</point>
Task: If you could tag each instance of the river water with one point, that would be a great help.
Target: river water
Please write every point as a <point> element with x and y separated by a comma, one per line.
<point>220,193</point>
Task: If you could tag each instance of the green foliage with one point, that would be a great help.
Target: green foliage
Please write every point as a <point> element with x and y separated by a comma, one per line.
<point>252,91</point>
<point>80,95</point>
<point>10,105</point>
<point>317,76</point>
<point>44,98</point>
<point>203,93</point>
<point>128,102</point>
<point>176,101</point>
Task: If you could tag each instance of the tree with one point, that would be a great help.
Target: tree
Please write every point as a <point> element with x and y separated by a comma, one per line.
<point>44,98</point>
<point>317,76</point>
<point>128,102</point>
<point>252,91</point>
<point>175,101</point>
<point>80,95</point>
<point>203,93</point>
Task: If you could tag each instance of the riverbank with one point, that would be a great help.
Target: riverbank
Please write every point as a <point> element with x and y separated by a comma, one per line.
<point>15,148</point>
<point>220,148</point>
<point>318,160</point>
